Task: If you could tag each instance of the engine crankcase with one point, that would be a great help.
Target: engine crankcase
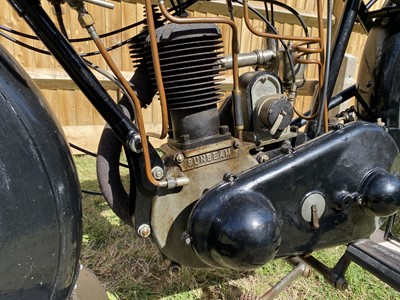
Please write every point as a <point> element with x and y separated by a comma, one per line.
<point>322,194</point>
<point>205,167</point>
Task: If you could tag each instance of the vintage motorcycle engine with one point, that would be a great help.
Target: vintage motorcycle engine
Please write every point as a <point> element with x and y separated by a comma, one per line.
<point>252,199</point>
<point>199,145</point>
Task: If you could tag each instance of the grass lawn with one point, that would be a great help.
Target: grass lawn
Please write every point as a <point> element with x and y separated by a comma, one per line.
<point>132,268</point>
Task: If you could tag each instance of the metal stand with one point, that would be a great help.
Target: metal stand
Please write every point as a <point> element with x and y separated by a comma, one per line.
<point>300,268</point>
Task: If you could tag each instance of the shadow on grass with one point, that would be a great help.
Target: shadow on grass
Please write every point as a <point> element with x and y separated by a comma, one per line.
<point>133,268</point>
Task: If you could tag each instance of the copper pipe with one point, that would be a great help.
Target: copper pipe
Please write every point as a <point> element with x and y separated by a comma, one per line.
<point>304,51</point>
<point>273,35</point>
<point>157,70</point>
<point>235,47</point>
<point>308,61</point>
<point>135,99</point>
<point>321,34</point>
<point>313,115</point>
<point>322,76</point>
<point>303,41</point>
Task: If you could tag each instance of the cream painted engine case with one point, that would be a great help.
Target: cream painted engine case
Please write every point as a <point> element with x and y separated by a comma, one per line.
<point>205,167</point>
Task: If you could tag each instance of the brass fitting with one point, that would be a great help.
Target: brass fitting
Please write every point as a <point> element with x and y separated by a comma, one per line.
<point>85,19</point>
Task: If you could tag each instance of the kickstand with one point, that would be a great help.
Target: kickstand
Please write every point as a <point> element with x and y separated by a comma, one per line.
<point>300,268</point>
<point>389,236</point>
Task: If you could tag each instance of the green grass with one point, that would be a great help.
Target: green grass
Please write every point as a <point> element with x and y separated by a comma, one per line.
<point>132,268</point>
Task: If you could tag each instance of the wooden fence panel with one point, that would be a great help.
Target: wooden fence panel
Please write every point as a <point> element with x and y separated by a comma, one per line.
<point>72,108</point>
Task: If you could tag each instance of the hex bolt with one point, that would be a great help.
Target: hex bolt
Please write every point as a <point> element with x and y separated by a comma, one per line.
<point>262,157</point>
<point>179,158</point>
<point>224,129</point>
<point>144,230</point>
<point>174,268</point>
<point>157,172</point>
<point>236,144</point>
<point>286,149</point>
<point>135,144</point>
<point>228,177</point>
<point>187,238</point>
<point>339,126</point>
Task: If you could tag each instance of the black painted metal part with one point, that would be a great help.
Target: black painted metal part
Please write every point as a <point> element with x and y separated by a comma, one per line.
<point>379,260</point>
<point>342,38</point>
<point>380,193</point>
<point>226,223</point>
<point>40,200</point>
<point>239,231</point>
<point>61,49</point>
<point>379,76</point>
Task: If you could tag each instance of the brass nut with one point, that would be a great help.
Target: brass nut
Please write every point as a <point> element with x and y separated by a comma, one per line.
<point>85,20</point>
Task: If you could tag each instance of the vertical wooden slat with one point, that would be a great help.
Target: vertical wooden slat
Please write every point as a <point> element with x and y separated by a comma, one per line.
<point>112,23</point>
<point>67,105</point>
<point>42,60</point>
<point>5,19</point>
<point>52,99</point>
<point>72,108</point>
<point>84,110</point>
<point>128,16</point>
<point>25,58</point>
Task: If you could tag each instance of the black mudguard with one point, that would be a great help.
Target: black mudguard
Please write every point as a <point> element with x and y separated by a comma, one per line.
<point>40,199</point>
<point>379,74</point>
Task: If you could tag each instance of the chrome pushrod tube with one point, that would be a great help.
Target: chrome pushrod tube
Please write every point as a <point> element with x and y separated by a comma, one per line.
<point>255,58</point>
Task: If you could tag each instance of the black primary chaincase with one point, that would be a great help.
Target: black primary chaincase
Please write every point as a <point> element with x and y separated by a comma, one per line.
<point>326,192</point>
<point>40,215</point>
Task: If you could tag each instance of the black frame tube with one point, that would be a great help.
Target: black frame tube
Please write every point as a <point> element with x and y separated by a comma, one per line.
<point>342,38</point>
<point>335,101</point>
<point>61,49</point>
<point>363,17</point>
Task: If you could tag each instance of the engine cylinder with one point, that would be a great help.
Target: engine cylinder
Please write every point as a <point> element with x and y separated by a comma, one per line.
<point>189,59</point>
<point>190,64</point>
